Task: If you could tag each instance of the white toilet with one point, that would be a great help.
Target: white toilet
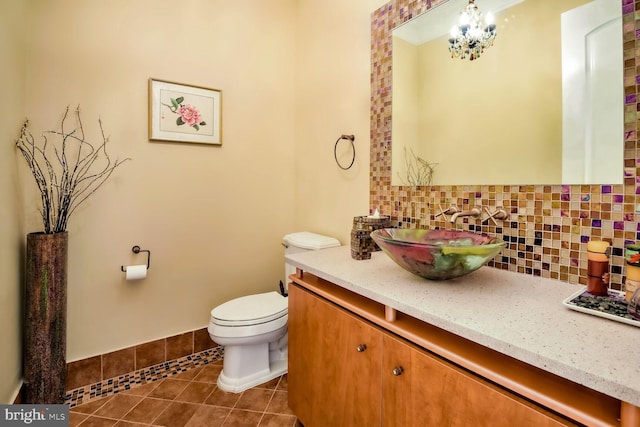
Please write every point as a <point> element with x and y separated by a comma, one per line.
<point>253,329</point>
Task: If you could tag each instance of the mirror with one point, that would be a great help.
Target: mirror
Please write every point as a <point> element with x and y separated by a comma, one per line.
<point>543,105</point>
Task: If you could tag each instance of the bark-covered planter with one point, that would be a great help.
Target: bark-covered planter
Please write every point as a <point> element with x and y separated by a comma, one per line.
<point>45,342</point>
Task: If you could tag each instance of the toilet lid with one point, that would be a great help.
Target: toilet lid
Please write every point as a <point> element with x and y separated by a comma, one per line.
<point>251,309</point>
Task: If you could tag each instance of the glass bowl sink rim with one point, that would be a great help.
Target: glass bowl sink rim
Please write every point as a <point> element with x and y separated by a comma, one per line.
<point>438,254</point>
<point>388,236</point>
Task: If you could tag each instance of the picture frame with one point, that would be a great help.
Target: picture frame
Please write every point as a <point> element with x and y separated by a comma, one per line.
<point>181,112</point>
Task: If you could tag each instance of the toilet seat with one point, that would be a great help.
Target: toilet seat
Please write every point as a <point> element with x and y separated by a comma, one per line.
<point>250,310</point>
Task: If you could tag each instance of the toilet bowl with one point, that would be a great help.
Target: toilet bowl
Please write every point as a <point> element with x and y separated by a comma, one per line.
<point>253,332</point>
<point>253,328</point>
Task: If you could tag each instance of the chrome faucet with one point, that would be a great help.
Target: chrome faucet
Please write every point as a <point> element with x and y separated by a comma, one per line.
<point>474,212</point>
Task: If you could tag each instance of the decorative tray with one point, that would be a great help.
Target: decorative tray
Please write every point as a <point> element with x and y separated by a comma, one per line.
<point>612,306</point>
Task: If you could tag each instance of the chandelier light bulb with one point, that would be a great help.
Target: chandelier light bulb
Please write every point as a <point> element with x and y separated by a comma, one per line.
<point>489,19</point>
<point>464,19</point>
<point>470,38</point>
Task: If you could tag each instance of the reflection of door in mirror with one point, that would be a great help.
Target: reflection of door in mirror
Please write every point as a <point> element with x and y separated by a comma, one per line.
<point>592,87</point>
<point>495,120</point>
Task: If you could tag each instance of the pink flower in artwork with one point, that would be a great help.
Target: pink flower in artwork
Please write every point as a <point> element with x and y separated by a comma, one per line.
<point>190,115</point>
<point>187,114</point>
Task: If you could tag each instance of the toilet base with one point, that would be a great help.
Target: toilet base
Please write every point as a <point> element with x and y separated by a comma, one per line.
<point>238,385</point>
<point>247,365</point>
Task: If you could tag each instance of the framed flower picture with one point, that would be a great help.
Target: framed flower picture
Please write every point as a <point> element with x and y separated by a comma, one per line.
<point>184,113</point>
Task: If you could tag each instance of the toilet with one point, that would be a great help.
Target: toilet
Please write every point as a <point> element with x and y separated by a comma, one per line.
<point>253,328</point>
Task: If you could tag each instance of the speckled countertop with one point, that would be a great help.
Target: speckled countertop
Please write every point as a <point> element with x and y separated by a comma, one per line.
<point>519,315</point>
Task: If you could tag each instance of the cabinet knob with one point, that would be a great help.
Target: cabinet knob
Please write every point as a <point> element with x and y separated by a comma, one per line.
<point>397,371</point>
<point>361,348</point>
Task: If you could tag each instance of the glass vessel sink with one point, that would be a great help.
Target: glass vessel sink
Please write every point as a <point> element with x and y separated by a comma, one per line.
<point>437,254</point>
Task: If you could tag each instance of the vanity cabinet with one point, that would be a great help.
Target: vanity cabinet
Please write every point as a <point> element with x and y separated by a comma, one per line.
<point>335,369</point>
<point>350,365</point>
<point>344,371</point>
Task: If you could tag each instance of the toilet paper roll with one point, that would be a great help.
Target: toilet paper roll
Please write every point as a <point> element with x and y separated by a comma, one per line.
<point>136,272</point>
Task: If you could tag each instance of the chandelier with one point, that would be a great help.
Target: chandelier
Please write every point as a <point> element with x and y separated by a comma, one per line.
<point>471,36</point>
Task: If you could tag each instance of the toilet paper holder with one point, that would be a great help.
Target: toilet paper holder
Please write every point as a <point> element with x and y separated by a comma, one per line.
<point>136,250</point>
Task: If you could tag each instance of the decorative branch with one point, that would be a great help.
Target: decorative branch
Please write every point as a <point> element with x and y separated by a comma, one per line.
<point>418,170</point>
<point>67,171</point>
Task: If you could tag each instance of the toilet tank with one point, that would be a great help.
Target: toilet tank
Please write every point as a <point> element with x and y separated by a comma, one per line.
<point>304,241</point>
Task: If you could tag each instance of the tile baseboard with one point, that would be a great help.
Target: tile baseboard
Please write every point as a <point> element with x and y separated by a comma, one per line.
<point>116,363</point>
<point>143,376</point>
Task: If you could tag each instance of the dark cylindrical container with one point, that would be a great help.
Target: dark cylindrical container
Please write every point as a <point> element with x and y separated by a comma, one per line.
<point>45,341</point>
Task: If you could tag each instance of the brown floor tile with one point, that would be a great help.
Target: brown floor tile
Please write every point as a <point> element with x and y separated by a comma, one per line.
<point>143,389</point>
<point>279,403</point>
<point>209,374</point>
<point>240,418</point>
<point>146,410</point>
<point>196,392</point>
<point>276,420</point>
<point>94,421</point>
<point>222,398</point>
<point>208,416</point>
<point>188,375</point>
<point>176,415</point>
<point>272,384</point>
<point>76,418</point>
<point>169,389</point>
<point>184,400</point>
<point>119,405</point>
<point>92,406</point>
<point>255,399</point>
<point>283,385</point>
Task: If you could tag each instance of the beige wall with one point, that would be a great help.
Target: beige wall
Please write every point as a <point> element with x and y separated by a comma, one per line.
<point>333,98</point>
<point>12,224</point>
<point>294,75</point>
<point>212,216</point>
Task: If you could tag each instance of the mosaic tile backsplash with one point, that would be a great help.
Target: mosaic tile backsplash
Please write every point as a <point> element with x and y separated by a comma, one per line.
<point>549,225</point>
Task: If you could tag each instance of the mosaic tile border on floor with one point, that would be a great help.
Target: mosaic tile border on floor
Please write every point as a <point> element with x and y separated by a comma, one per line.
<point>143,376</point>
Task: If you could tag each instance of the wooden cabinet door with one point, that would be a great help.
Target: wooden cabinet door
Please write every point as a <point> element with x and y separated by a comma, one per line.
<point>422,390</point>
<point>333,380</point>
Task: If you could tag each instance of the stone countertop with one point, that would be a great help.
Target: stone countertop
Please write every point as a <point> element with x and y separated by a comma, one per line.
<point>519,315</point>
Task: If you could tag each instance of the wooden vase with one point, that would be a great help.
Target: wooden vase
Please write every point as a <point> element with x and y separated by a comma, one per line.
<point>45,343</point>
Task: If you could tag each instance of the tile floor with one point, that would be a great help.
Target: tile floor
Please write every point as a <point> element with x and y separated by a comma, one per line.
<point>189,399</point>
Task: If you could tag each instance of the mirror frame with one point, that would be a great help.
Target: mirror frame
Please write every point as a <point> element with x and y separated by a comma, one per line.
<point>549,225</point>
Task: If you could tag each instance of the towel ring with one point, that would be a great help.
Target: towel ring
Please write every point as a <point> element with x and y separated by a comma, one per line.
<point>351,138</point>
